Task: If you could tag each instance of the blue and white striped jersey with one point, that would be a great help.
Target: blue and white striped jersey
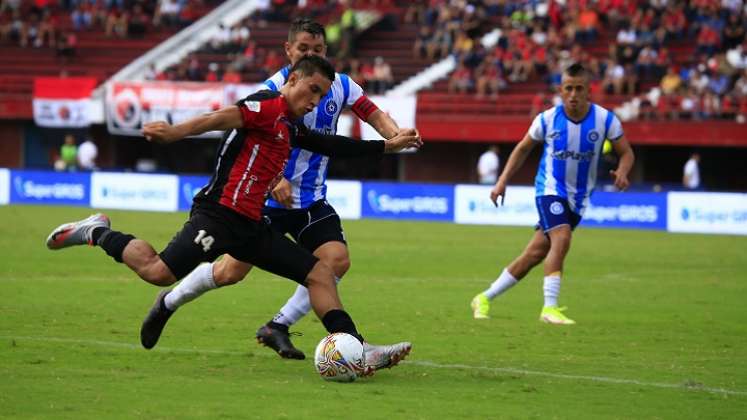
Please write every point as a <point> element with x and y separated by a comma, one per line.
<point>568,167</point>
<point>307,171</point>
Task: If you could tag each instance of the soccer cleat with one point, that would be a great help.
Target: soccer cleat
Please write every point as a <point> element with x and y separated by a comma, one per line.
<point>154,322</point>
<point>77,233</point>
<point>279,341</point>
<point>480,306</point>
<point>555,315</point>
<point>380,357</point>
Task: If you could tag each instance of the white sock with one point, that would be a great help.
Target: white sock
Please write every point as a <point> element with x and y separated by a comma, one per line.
<point>199,281</point>
<point>504,282</point>
<point>551,289</point>
<point>296,307</point>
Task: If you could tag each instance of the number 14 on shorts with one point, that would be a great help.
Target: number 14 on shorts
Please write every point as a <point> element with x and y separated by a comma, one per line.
<point>204,239</point>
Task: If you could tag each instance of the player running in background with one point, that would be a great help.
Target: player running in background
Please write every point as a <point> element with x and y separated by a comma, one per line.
<point>572,135</point>
<point>226,214</point>
<point>298,205</point>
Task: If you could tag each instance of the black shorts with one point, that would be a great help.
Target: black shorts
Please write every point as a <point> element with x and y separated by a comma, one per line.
<point>212,231</point>
<point>310,227</point>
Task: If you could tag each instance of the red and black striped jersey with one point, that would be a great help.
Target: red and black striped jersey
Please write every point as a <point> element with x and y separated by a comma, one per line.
<point>251,159</point>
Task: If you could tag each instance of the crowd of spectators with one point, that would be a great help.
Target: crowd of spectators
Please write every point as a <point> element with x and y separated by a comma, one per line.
<point>55,23</point>
<point>675,58</point>
<point>232,55</point>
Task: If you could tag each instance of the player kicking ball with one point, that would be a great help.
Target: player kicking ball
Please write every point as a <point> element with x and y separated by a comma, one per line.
<point>298,205</point>
<point>226,214</point>
<point>572,135</point>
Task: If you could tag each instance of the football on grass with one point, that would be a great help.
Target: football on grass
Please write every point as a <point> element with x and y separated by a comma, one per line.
<point>339,357</point>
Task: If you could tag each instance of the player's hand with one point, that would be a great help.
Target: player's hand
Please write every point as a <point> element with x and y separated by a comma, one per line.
<point>282,193</point>
<point>621,180</point>
<point>499,190</point>
<point>160,132</point>
<point>406,138</point>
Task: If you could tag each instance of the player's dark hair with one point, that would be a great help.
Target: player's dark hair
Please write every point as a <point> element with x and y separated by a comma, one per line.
<point>577,70</point>
<point>306,25</point>
<point>311,64</point>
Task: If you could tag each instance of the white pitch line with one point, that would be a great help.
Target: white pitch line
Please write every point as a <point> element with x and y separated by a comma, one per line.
<point>424,363</point>
<point>604,379</point>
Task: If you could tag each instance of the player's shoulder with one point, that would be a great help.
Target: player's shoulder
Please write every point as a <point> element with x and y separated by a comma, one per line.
<point>261,96</point>
<point>277,80</point>
<point>549,113</point>
<point>265,103</point>
<point>345,81</point>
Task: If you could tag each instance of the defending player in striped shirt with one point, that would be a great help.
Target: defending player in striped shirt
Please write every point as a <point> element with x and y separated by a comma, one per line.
<point>572,135</point>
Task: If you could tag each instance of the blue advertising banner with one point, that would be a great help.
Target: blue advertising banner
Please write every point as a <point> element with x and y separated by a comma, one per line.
<point>627,210</point>
<point>408,201</point>
<point>41,187</point>
<point>189,186</point>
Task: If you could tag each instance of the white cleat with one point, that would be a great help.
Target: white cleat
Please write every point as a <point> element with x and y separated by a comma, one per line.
<point>380,357</point>
<point>77,233</point>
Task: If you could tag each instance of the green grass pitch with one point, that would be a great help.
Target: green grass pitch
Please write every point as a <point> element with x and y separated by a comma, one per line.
<point>662,329</point>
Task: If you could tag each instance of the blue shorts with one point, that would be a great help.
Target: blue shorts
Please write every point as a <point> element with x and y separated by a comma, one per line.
<point>554,211</point>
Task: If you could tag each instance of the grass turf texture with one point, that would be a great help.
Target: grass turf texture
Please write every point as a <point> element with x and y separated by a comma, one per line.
<point>661,330</point>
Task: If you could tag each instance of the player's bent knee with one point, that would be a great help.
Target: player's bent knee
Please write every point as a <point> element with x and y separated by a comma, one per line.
<point>340,265</point>
<point>320,276</point>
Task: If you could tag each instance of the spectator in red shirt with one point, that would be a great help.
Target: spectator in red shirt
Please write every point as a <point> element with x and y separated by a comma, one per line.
<point>461,80</point>
<point>231,76</point>
<point>212,74</point>
<point>489,80</point>
<point>708,41</point>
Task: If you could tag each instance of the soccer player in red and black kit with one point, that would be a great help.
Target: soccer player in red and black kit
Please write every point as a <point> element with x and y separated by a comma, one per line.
<point>226,214</point>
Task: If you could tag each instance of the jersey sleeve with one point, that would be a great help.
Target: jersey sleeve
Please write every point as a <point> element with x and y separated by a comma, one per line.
<point>355,92</point>
<point>277,80</point>
<point>254,114</point>
<point>356,99</point>
<point>613,126</point>
<point>538,128</point>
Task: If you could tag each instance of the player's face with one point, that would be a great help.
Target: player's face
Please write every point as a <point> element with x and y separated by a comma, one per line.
<point>575,93</point>
<point>305,92</point>
<point>305,44</point>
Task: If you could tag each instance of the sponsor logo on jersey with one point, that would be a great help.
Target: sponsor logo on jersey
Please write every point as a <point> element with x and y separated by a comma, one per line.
<point>253,106</point>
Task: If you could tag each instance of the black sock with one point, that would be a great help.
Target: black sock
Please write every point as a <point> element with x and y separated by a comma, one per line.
<point>97,232</point>
<point>114,243</point>
<point>338,320</point>
<point>277,326</point>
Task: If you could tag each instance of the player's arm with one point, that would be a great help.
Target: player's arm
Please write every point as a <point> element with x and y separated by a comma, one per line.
<point>515,161</point>
<point>626,159</point>
<point>341,146</point>
<point>383,124</point>
<point>223,119</point>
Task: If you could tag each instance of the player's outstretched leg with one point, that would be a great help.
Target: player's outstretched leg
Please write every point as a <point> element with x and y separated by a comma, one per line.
<point>277,337</point>
<point>77,233</point>
<point>155,321</point>
<point>326,303</point>
<point>380,357</point>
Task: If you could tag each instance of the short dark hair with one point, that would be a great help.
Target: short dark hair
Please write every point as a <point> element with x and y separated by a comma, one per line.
<point>310,64</point>
<point>305,25</point>
<point>577,70</point>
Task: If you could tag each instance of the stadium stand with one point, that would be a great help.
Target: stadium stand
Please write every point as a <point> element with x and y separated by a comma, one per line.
<point>80,38</point>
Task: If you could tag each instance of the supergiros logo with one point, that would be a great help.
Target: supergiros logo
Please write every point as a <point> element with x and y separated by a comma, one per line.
<point>384,203</point>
